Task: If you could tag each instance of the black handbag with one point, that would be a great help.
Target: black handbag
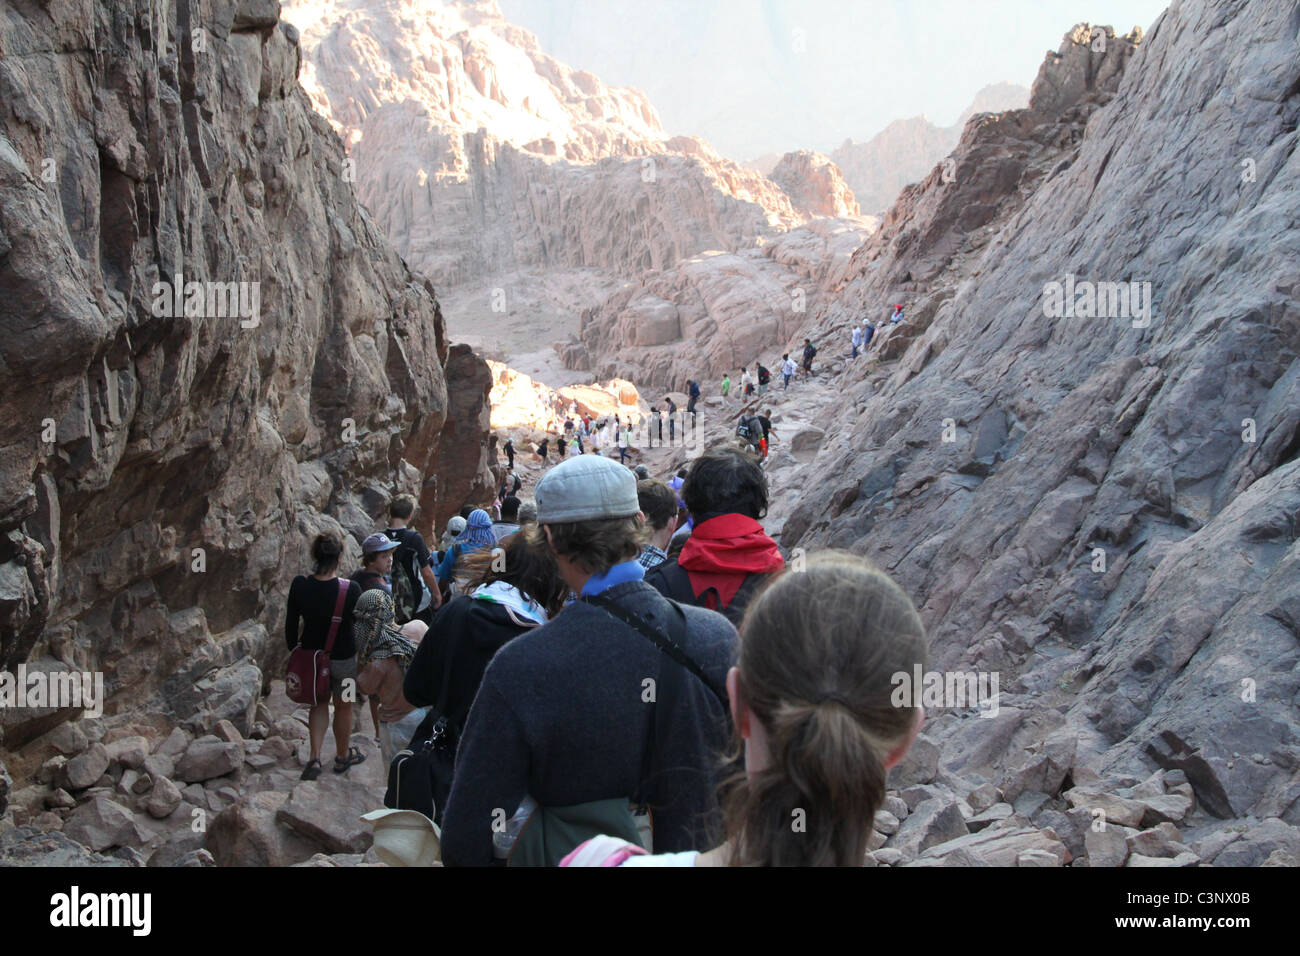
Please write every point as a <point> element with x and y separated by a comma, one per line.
<point>419,778</point>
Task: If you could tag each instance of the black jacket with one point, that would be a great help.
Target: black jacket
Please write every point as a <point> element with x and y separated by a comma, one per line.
<point>464,636</point>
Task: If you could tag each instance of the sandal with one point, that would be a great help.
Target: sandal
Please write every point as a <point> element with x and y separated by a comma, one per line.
<point>354,757</point>
<point>311,771</point>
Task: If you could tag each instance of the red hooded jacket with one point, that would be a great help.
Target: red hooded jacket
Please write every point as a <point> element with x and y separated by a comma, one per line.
<point>722,551</point>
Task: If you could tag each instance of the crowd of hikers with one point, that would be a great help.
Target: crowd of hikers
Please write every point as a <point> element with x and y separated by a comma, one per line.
<point>621,671</point>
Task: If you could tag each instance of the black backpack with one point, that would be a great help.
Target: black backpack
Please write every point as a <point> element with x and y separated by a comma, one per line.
<point>695,389</point>
<point>764,376</point>
<point>749,428</point>
<point>672,581</point>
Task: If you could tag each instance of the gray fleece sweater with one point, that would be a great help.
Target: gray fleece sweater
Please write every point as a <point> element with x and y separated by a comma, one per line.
<point>560,717</point>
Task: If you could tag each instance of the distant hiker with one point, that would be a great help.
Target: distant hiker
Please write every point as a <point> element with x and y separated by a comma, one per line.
<point>383,655</point>
<point>501,600</point>
<point>764,377</point>
<point>787,369</point>
<point>455,525</point>
<point>544,448</point>
<point>672,417</point>
<point>315,601</point>
<point>746,382</point>
<point>857,340</point>
<point>597,436</point>
<point>726,386</point>
<point>812,700</point>
<point>622,443</point>
<point>577,442</point>
<point>560,716</point>
<point>867,334</point>
<point>527,514</point>
<point>659,505</point>
<point>809,350</point>
<point>897,315</point>
<point>511,487</point>
<point>509,522</point>
<point>560,445</point>
<point>657,424</point>
<point>415,589</point>
<point>728,556</point>
<point>692,396</point>
<point>568,427</point>
<point>477,535</point>
<point>765,421</point>
<point>676,483</point>
<point>509,449</point>
<point>749,432</point>
<point>376,563</point>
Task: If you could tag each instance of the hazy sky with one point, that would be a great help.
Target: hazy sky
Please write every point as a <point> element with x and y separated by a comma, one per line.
<point>760,76</point>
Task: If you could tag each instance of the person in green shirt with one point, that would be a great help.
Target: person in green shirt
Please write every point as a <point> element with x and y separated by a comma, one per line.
<point>726,384</point>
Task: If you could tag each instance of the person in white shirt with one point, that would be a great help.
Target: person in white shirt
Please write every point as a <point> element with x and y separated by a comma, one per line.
<point>787,369</point>
<point>821,717</point>
<point>857,339</point>
<point>746,383</point>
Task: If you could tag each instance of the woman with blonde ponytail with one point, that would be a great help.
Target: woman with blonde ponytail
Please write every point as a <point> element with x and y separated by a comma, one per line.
<point>811,702</point>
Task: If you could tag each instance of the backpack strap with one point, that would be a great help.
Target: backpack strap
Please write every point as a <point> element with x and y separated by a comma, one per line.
<point>345,584</point>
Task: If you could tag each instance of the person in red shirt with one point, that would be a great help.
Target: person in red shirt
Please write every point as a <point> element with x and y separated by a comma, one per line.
<point>728,556</point>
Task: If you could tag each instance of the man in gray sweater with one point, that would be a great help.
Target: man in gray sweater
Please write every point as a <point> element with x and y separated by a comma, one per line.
<point>566,712</point>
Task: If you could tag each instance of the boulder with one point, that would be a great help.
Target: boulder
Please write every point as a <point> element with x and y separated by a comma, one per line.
<point>919,766</point>
<point>225,730</point>
<point>1002,846</point>
<point>999,811</point>
<point>328,812</point>
<point>163,800</point>
<point>1118,810</point>
<point>100,823</point>
<point>159,765</point>
<point>85,769</point>
<point>1107,846</point>
<point>1258,843</point>
<point>247,834</point>
<point>931,822</point>
<point>209,757</point>
<point>29,846</point>
<point>128,751</point>
<point>69,738</point>
<point>1163,840</point>
<point>174,744</point>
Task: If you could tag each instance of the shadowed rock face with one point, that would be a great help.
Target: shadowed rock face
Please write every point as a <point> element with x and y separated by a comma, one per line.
<point>1112,524</point>
<point>161,475</point>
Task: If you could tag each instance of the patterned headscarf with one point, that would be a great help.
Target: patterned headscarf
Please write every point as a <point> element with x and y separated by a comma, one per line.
<point>376,635</point>
<point>478,532</point>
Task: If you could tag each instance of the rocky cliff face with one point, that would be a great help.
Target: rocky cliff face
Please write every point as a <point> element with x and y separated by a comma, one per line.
<point>163,469</point>
<point>1100,504</point>
<point>520,161</point>
<point>814,184</point>
<point>907,149</point>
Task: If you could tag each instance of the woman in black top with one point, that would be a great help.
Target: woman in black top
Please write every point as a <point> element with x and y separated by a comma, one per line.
<point>312,600</point>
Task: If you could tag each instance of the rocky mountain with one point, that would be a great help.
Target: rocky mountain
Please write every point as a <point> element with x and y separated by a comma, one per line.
<point>907,149</point>
<point>814,185</point>
<point>211,353</point>
<point>1109,519</point>
<point>521,162</point>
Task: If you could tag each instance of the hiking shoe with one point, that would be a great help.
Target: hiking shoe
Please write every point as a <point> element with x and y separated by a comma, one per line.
<point>311,771</point>
<point>354,757</point>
